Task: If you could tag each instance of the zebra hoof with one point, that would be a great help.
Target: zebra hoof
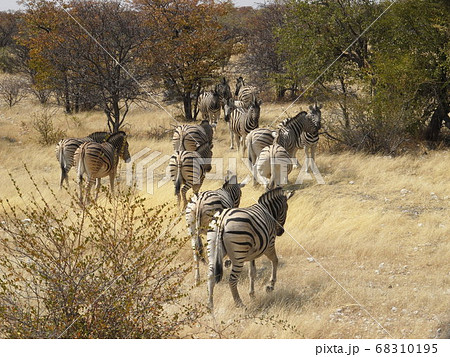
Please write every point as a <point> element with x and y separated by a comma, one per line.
<point>239,305</point>
<point>227,263</point>
<point>269,289</point>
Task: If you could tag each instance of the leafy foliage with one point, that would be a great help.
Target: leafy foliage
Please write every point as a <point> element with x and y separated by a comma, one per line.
<point>106,271</point>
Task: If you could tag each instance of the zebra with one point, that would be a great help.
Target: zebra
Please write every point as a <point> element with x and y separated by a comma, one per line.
<point>98,160</point>
<point>209,106</point>
<point>310,137</point>
<point>244,234</point>
<point>257,140</point>
<point>241,122</point>
<point>188,168</point>
<point>211,102</point>
<point>273,166</point>
<point>65,151</point>
<point>188,137</point>
<point>202,208</point>
<point>301,130</point>
<point>245,94</point>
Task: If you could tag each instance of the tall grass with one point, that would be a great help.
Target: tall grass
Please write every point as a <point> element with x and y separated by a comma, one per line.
<point>377,227</point>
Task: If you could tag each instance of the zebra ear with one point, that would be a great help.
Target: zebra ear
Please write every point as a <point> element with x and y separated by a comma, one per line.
<point>311,107</point>
<point>320,106</point>
<point>289,194</point>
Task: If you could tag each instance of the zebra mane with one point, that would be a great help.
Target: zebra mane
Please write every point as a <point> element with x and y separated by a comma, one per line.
<point>286,123</point>
<point>117,139</point>
<point>99,136</point>
<point>270,195</point>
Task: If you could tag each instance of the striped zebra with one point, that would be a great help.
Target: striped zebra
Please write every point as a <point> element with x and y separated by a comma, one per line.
<point>257,140</point>
<point>98,160</point>
<point>241,122</point>
<point>202,208</point>
<point>210,103</point>
<point>189,137</point>
<point>244,234</point>
<point>65,151</point>
<point>299,131</point>
<point>188,168</point>
<point>273,166</point>
<point>245,94</point>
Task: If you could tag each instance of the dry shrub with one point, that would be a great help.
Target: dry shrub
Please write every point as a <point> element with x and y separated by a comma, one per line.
<point>105,271</point>
<point>373,129</point>
<point>42,122</point>
<point>13,89</point>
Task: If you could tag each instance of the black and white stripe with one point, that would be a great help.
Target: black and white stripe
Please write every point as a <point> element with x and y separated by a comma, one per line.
<point>273,166</point>
<point>241,122</point>
<point>97,160</point>
<point>202,208</point>
<point>245,94</point>
<point>299,131</point>
<point>244,234</point>
<point>209,105</point>
<point>189,137</point>
<point>65,151</point>
<point>257,140</point>
<point>188,168</point>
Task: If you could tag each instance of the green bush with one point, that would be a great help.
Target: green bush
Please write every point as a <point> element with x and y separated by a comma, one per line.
<point>109,270</point>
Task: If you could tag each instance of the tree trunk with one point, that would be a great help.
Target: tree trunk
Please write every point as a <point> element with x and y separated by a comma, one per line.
<point>187,106</point>
<point>440,115</point>
<point>343,104</point>
<point>67,96</point>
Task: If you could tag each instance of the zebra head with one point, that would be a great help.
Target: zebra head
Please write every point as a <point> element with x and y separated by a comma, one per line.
<point>228,108</point>
<point>223,90</point>
<point>255,109</point>
<point>275,202</point>
<point>119,142</point>
<point>315,115</point>
<point>233,188</point>
<point>239,83</point>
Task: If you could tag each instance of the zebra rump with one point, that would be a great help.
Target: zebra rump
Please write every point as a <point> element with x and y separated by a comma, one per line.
<point>244,234</point>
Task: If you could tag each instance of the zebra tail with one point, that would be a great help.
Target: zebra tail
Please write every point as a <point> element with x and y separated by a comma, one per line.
<point>81,169</point>
<point>198,241</point>
<point>62,163</point>
<point>178,180</point>
<point>218,254</point>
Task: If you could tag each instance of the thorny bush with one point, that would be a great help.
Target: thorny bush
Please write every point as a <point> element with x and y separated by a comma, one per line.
<point>109,270</point>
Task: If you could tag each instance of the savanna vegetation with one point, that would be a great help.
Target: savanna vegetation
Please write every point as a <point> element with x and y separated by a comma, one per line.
<point>120,267</point>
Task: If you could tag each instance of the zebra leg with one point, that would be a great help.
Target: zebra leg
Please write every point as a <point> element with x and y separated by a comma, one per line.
<point>80,186</point>
<point>111,181</point>
<point>231,136</point>
<point>196,258</point>
<point>313,157</point>
<point>252,276</point>
<point>98,184</point>
<point>272,255</point>
<point>184,190</point>
<point>88,191</point>
<point>243,143</point>
<point>234,277</point>
<point>306,158</point>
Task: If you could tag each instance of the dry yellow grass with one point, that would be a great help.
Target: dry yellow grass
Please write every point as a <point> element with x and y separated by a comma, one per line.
<point>379,228</point>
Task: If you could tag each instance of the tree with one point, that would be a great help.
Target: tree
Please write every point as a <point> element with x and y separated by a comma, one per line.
<point>413,61</point>
<point>189,44</point>
<point>262,56</point>
<point>316,37</point>
<point>89,50</point>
